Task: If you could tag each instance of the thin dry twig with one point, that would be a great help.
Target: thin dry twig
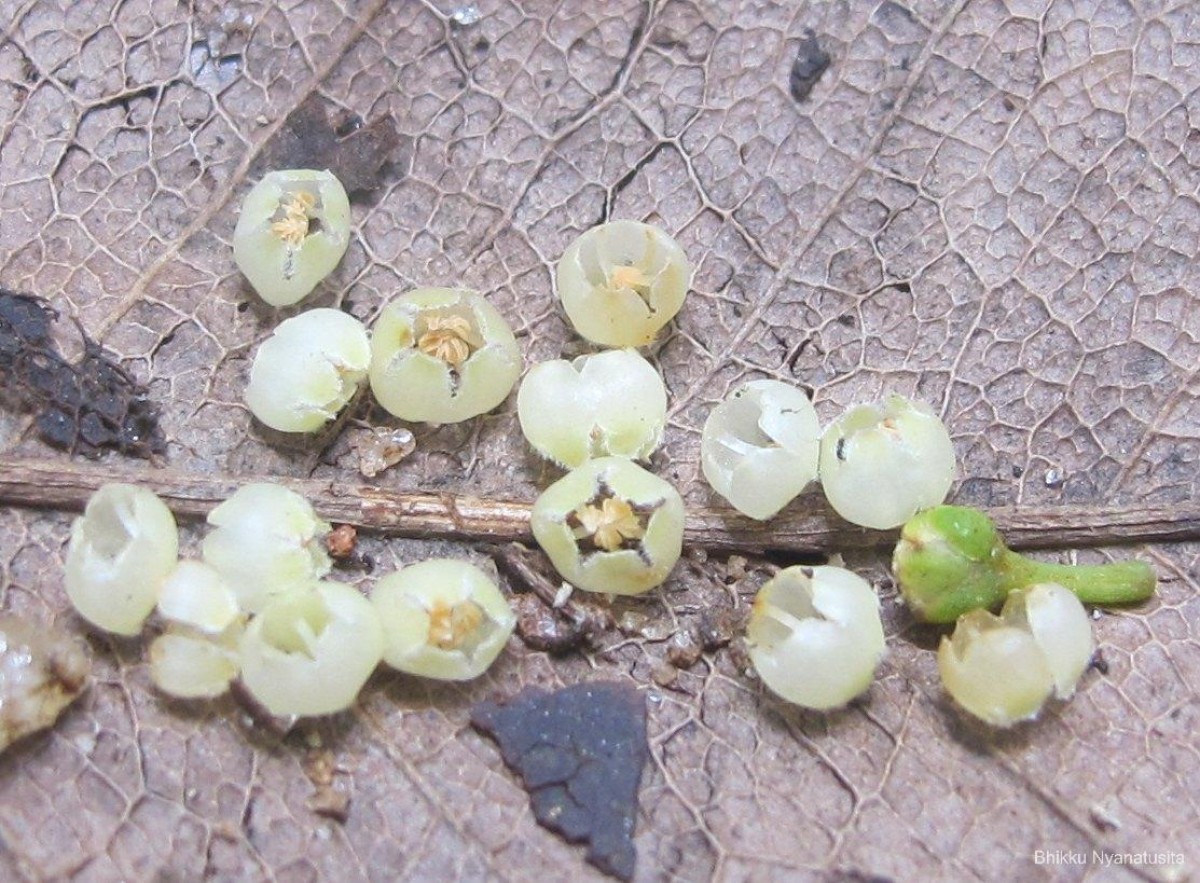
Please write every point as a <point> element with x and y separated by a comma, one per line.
<point>517,561</point>
<point>67,485</point>
<point>514,558</point>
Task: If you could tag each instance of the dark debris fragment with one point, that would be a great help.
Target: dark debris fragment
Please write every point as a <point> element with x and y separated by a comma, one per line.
<point>735,569</point>
<point>542,623</point>
<point>811,62</point>
<point>341,542</point>
<point>641,625</point>
<point>739,655</point>
<point>543,628</point>
<point>327,799</point>
<point>26,322</point>
<point>82,408</point>
<point>853,875</point>
<point>665,675</point>
<point>580,752</point>
<point>718,626</point>
<point>316,137</point>
<point>683,651</point>
<point>330,803</point>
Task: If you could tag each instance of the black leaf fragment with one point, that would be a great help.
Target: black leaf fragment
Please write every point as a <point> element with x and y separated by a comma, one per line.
<point>313,137</point>
<point>811,61</point>
<point>580,752</point>
<point>84,407</point>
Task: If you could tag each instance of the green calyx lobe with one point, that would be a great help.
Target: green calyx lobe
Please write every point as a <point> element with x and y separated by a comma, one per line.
<point>951,559</point>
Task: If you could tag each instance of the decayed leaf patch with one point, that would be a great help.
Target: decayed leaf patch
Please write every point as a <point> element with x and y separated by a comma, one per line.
<point>580,752</point>
<point>987,206</point>
<point>81,407</point>
<point>314,136</point>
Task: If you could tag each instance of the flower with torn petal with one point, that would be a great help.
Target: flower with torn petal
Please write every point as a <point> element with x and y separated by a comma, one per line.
<point>1042,642</point>
<point>621,282</point>
<point>311,651</point>
<point>982,646</point>
<point>293,229</point>
<point>815,635</point>
<point>759,447</point>
<point>1056,618</point>
<point>195,595</point>
<point>610,403</point>
<point>307,370</point>
<point>880,464</point>
<point>120,551</point>
<point>268,541</point>
<point>442,619</point>
<point>442,355</point>
<point>191,664</point>
<point>610,526</point>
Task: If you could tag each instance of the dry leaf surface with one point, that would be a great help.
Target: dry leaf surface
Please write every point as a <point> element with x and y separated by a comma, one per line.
<point>994,206</point>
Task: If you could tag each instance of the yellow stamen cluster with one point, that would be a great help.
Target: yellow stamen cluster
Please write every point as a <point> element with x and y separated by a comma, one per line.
<point>627,277</point>
<point>446,338</point>
<point>293,226</point>
<point>451,624</point>
<point>610,524</point>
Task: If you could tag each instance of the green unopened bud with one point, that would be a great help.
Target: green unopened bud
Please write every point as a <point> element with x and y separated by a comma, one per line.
<point>951,559</point>
<point>947,562</point>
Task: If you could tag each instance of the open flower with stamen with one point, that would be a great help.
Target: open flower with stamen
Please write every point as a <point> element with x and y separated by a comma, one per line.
<point>296,220</point>
<point>442,355</point>
<point>442,619</point>
<point>449,338</point>
<point>293,228</point>
<point>621,282</point>
<point>610,526</point>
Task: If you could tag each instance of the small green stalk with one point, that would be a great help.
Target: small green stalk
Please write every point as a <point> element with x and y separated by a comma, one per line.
<point>1120,582</point>
<point>951,559</point>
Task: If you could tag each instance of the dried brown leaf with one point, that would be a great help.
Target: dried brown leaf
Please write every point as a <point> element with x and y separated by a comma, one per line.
<point>990,206</point>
